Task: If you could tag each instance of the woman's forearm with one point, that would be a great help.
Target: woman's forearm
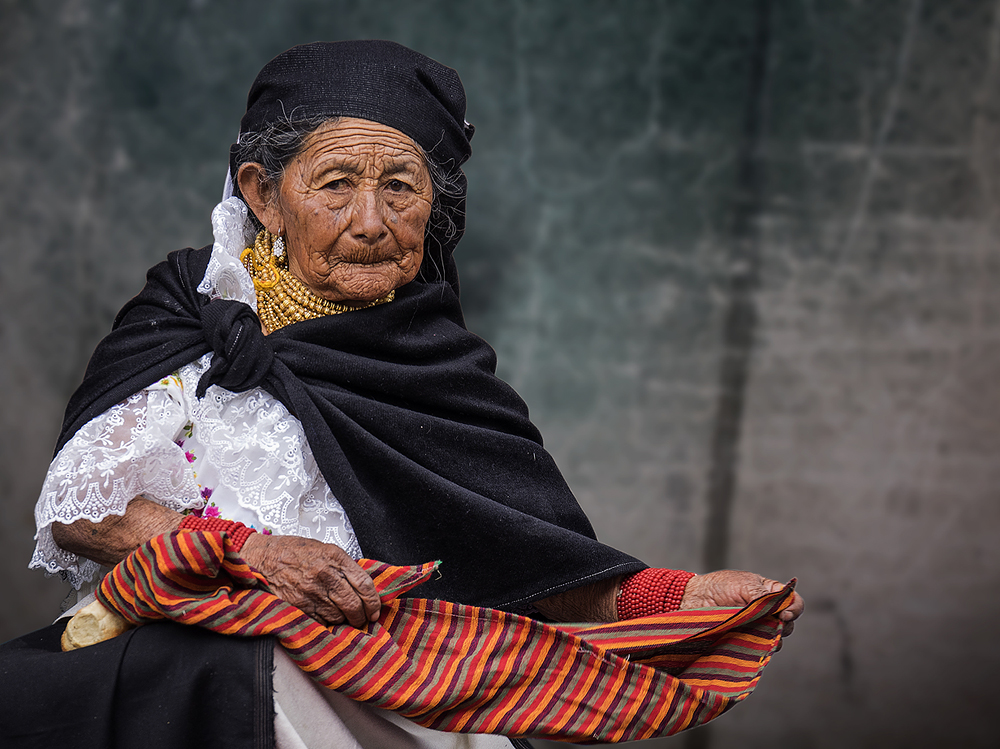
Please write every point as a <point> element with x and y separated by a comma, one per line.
<point>589,603</point>
<point>116,536</point>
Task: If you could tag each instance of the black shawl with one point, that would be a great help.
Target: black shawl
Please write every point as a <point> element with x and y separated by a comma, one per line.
<point>432,456</point>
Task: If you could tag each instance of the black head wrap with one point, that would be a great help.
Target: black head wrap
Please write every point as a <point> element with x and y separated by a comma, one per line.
<point>383,82</point>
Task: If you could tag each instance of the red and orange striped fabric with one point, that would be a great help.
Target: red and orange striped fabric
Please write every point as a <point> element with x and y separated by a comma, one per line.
<point>462,668</point>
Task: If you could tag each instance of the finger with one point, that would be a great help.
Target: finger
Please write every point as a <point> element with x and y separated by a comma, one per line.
<point>787,629</point>
<point>757,589</point>
<point>364,587</point>
<point>327,613</point>
<point>311,598</point>
<point>794,610</point>
<point>342,595</point>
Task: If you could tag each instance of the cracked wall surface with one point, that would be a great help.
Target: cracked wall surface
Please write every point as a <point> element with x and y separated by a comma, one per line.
<point>740,259</point>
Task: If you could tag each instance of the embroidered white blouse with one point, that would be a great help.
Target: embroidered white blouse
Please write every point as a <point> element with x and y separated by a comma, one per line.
<point>240,456</point>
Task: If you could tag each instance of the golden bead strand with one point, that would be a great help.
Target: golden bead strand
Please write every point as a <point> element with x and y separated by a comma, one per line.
<point>282,299</point>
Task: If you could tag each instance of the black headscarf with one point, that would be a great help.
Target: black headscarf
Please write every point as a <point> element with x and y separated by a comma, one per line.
<point>373,80</point>
<point>432,456</point>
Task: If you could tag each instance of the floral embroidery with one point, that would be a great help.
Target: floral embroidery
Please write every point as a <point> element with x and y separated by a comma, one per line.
<point>190,456</point>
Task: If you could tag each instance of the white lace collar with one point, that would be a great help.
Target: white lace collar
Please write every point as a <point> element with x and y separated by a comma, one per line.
<point>225,277</point>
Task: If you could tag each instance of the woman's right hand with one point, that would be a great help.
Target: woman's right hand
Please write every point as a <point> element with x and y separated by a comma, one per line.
<point>320,579</point>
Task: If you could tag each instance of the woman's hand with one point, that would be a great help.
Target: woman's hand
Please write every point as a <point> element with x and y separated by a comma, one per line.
<point>737,588</point>
<point>321,579</point>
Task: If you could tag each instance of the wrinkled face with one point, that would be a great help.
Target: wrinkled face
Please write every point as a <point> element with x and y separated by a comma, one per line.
<point>352,208</point>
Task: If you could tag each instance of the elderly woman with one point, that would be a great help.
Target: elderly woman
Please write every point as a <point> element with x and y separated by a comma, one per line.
<point>310,376</point>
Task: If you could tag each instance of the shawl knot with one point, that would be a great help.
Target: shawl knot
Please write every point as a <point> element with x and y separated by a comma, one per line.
<point>243,355</point>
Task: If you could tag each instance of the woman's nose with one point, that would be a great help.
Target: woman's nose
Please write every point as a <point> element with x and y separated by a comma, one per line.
<point>367,221</point>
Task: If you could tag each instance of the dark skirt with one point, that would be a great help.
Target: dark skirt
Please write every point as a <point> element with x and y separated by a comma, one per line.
<point>161,686</point>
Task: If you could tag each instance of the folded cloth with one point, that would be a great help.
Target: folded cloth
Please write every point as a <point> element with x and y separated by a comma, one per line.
<point>462,668</point>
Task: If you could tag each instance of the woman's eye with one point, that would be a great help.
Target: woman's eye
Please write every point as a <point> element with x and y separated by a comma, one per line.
<point>397,186</point>
<point>336,184</point>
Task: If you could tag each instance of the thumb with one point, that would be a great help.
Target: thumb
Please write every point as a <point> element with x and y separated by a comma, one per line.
<point>773,586</point>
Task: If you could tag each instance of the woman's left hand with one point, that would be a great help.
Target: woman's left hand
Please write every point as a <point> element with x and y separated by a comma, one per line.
<point>737,588</point>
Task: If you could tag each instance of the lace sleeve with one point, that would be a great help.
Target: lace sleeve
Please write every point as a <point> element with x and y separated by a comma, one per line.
<point>126,451</point>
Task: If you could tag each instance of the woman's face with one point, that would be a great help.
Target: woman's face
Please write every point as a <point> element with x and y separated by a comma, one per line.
<point>352,208</point>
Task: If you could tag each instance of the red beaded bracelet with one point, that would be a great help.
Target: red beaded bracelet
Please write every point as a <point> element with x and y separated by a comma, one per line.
<point>652,591</point>
<point>235,530</point>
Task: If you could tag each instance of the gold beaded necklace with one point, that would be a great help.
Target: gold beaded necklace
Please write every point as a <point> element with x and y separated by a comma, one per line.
<point>282,298</point>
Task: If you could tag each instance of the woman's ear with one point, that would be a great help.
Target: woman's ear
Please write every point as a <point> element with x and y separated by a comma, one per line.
<point>259,194</point>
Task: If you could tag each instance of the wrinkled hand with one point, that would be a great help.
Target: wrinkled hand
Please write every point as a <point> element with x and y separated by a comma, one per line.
<point>737,588</point>
<point>320,579</point>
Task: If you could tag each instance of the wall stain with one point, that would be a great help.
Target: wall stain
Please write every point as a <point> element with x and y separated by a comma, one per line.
<point>740,315</point>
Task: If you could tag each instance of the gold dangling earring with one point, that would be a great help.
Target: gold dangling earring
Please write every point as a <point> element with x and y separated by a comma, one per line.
<point>260,260</point>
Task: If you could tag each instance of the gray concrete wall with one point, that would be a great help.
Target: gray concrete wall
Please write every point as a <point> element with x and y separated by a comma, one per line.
<point>739,258</point>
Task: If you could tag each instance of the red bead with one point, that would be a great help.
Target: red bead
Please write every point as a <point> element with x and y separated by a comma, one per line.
<point>652,591</point>
<point>236,532</point>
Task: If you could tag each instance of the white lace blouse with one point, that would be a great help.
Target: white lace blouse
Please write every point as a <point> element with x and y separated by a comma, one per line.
<point>241,456</point>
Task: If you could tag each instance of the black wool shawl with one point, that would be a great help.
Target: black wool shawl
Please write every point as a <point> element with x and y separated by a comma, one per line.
<point>432,456</point>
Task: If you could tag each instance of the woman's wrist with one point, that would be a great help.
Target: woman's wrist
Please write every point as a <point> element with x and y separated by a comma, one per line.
<point>254,551</point>
<point>110,540</point>
<point>588,603</point>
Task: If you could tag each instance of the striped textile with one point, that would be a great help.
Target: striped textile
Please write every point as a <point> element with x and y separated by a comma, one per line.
<point>462,668</point>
